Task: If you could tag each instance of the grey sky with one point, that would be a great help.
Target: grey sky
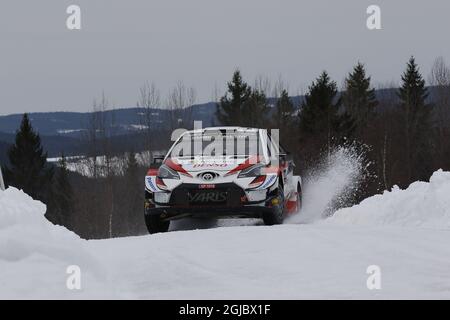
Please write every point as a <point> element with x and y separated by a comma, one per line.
<point>122,44</point>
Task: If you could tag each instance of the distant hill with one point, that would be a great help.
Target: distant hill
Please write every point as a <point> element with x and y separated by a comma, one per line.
<point>72,124</point>
<point>54,145</point>
<point>61,131</point>
<point>127,120</point>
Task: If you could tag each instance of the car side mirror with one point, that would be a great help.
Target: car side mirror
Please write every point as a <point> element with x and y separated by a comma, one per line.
<point>157,160</point>
<point>285,156</point>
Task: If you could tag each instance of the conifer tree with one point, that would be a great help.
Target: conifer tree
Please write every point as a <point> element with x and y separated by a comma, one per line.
<point>416,122</point>
<point>321,124</point>
<point>254,110</point>
<point>284,110</point>
<point>242,105</point>
<point>230,108</point>
<point>320,106</point>
<point>359,98</point>
<point>29,170</point>
<point>284,119</point>
<point>60,208</point>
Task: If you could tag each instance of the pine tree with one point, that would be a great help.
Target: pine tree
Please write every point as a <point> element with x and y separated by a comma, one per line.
<point>230,108</point>
<point>254,110</point>
<point>60,208</point>
<point>284,119</point>
<point>320,106</point>
<point>359,98</point>
<point>242,105</point>
<point>284,110</point>
<point>416,122</point>
<point>29,170</point>
<point>321,124</point>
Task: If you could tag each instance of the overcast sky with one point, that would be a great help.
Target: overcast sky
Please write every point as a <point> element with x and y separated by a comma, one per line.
<point>122,44</point>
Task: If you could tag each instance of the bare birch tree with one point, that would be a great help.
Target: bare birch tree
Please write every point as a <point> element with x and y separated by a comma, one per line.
<point>179,103</point>
<point>440,79</point>
<point>149,101</point>
<point>263,84</point>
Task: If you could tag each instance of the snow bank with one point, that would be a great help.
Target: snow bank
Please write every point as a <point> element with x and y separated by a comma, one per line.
<point>422,204</point>
<point>35,254</point>
<point>292,261</point>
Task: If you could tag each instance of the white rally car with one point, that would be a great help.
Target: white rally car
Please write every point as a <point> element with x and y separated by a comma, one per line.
<point>222,172</point>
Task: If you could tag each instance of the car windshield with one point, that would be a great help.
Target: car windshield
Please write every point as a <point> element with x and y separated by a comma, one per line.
<point>218,143</point>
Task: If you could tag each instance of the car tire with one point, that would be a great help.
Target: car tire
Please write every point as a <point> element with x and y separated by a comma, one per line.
<point>276,215</point>
<point>155,224</point>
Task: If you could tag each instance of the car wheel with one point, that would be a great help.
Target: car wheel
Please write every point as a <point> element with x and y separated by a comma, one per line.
<point>155,224</point>
<point>276,215</point>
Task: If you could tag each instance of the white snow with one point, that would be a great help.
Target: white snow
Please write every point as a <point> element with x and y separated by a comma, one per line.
<point>138,127</point>
<point>34,254</point>
<point>68,131</point>
<point>423,204</point>
<point>117,164</point>
<point>404,232</point>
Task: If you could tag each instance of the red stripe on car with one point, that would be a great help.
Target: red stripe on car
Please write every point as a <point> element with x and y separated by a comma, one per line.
<point>152,172</point>
<point>177,167</point>
<point>248,163</point>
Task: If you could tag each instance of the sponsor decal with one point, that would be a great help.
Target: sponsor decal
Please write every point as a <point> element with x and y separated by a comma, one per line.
<point>205,197</point>
<point>207,186</point>
<point>150,184</point>
<point>269,181</point>
<point>210,165</point>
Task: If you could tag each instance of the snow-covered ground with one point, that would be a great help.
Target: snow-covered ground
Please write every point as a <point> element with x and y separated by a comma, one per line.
<point>406,233</point>
<point>85,165</point>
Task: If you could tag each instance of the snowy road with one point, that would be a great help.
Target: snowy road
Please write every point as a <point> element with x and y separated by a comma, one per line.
<point>284,262</point>
<point>406,233</point>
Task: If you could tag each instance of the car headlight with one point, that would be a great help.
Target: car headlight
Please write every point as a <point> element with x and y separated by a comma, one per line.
<point>165,172</point>
<point>253,171</point>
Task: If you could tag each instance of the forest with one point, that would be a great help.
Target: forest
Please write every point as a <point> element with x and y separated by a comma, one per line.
<point>402,131</point>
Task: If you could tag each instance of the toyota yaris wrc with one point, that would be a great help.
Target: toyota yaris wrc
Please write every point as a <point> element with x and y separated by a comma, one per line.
<point>224,172</point>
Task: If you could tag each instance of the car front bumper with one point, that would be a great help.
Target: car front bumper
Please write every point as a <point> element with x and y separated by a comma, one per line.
<point>174,213</point>
<point>237,203</point>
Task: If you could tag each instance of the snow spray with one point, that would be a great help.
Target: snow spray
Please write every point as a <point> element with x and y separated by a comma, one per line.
<point>332,184</point>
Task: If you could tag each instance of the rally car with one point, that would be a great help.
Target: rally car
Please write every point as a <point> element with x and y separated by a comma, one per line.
<point>222,172</point>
